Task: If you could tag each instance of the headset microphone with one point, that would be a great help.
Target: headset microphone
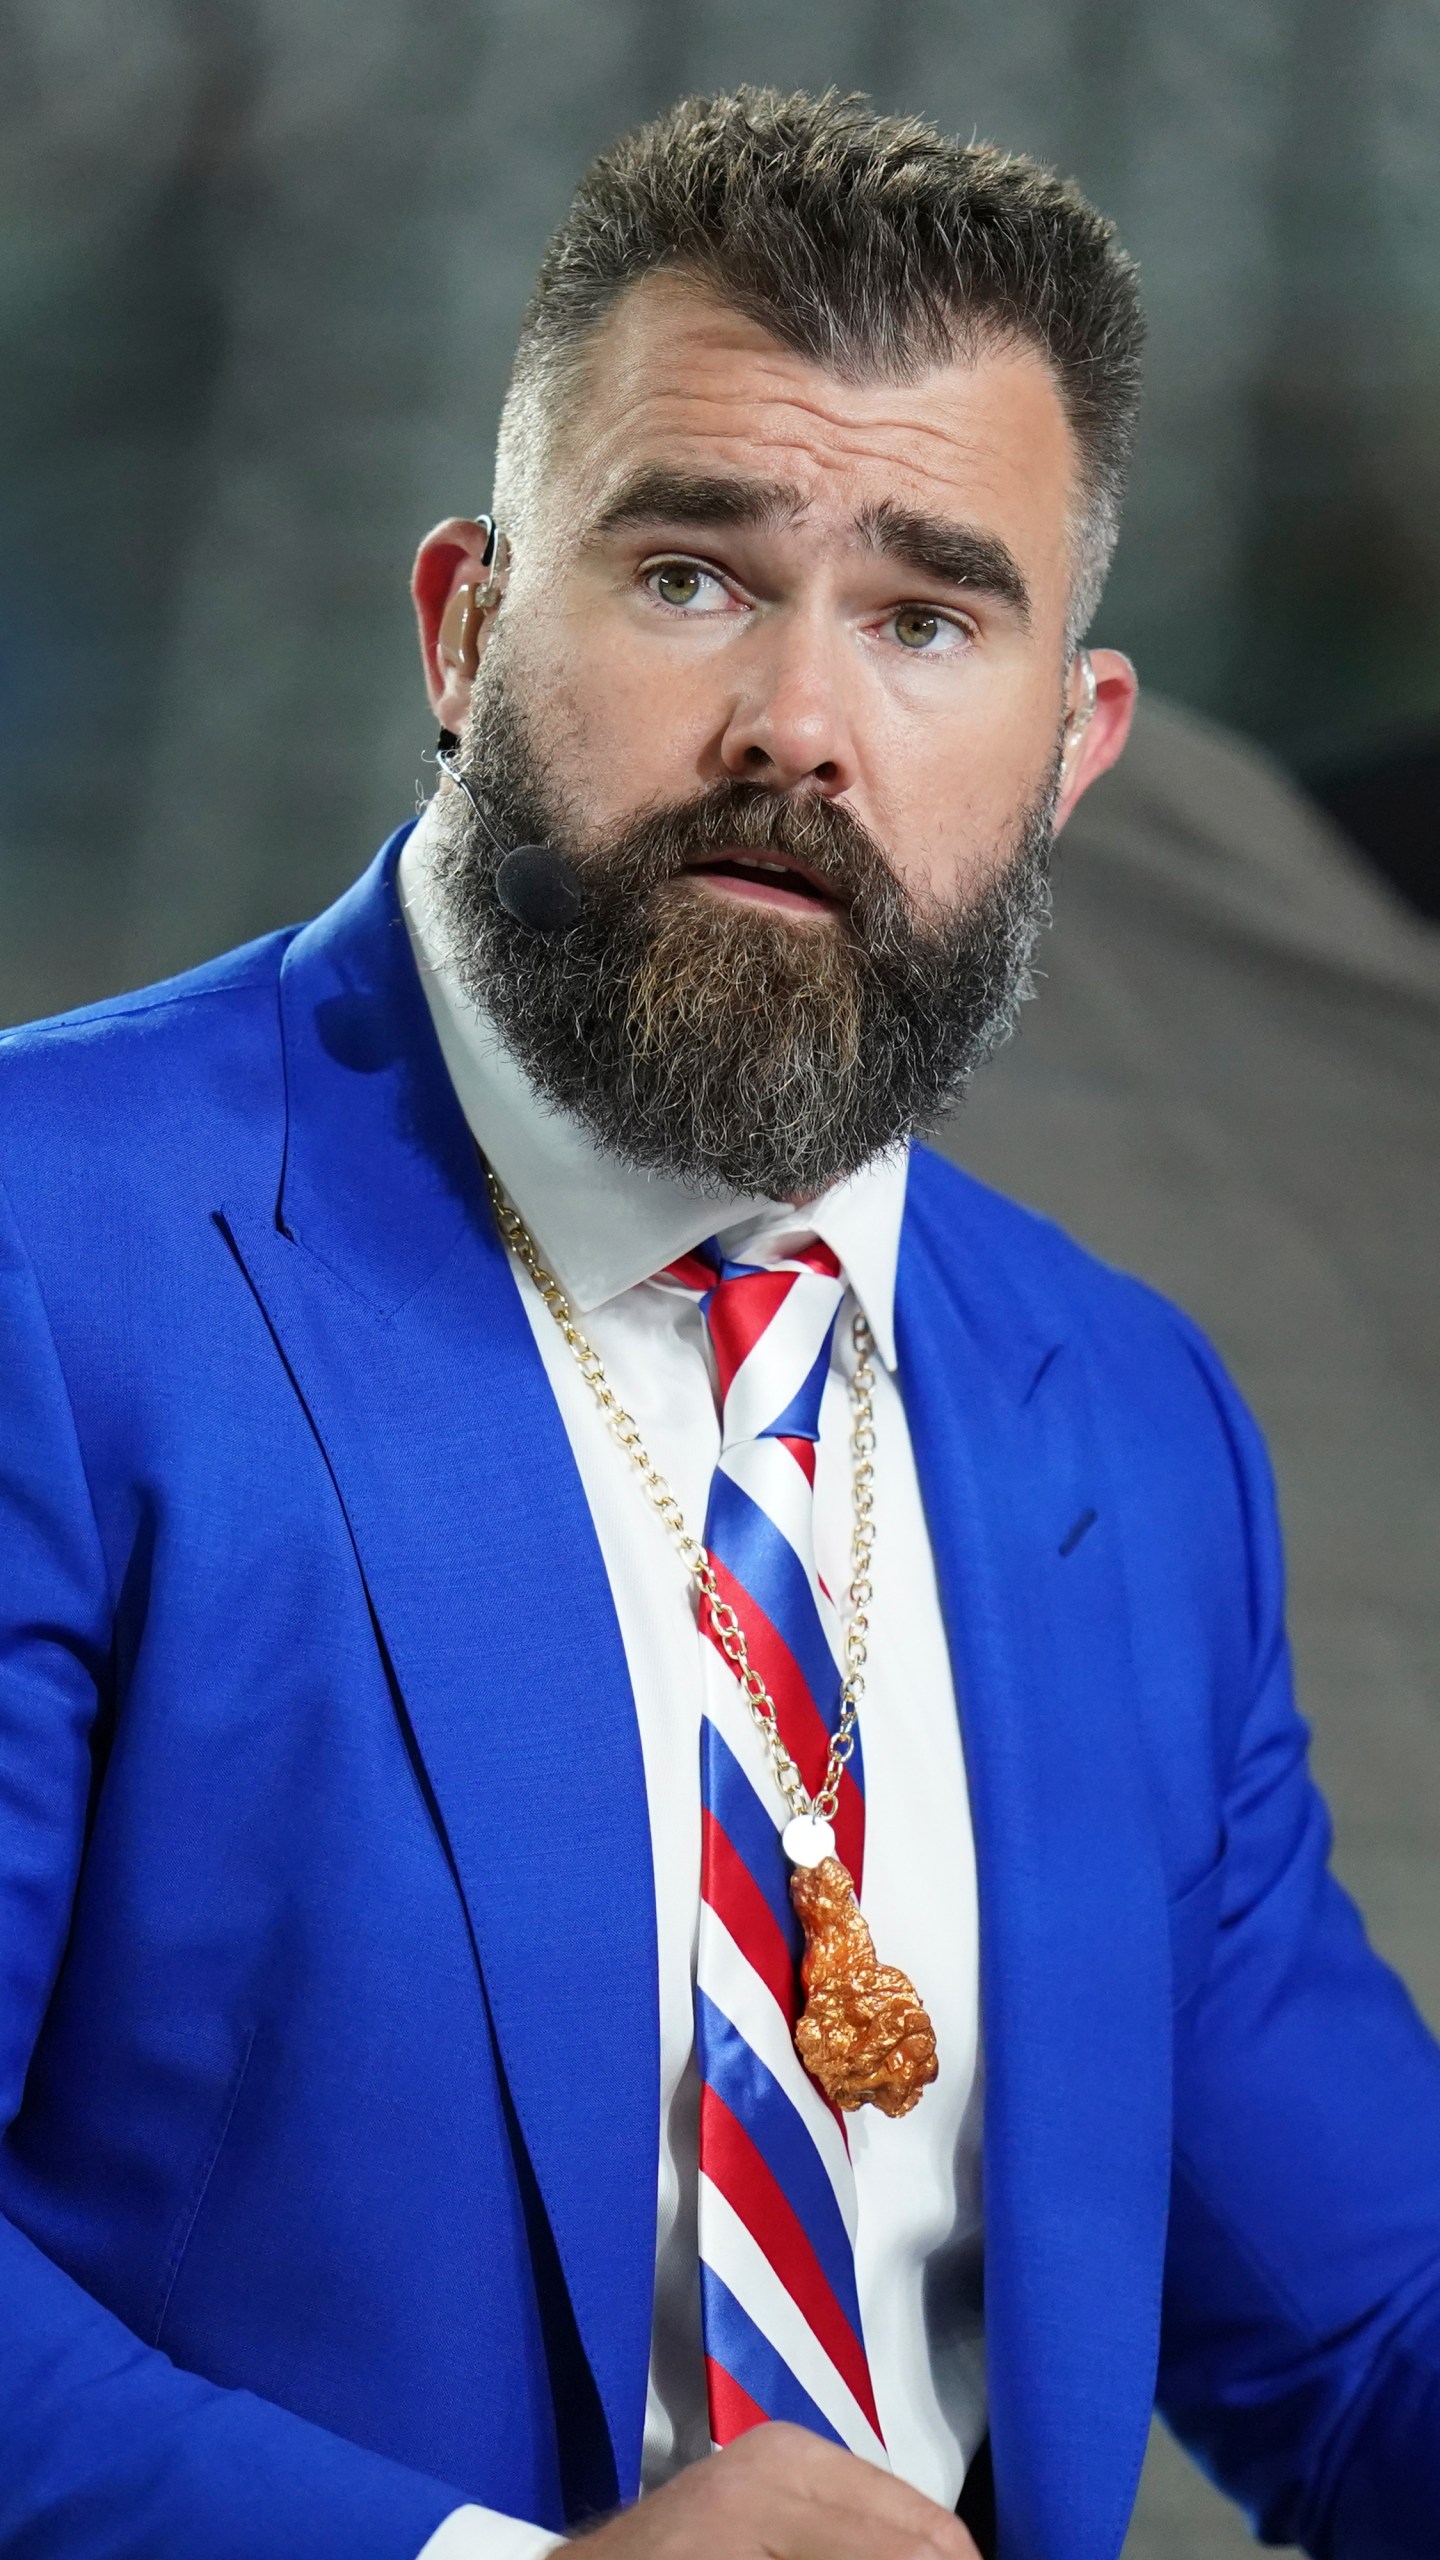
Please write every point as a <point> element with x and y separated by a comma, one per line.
<point>538,887</point>
<point>534,883</point>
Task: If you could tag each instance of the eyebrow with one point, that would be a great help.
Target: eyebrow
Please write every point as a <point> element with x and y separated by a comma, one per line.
<point>956,555</point>
<point>959,555</point>
<point>655,495</point>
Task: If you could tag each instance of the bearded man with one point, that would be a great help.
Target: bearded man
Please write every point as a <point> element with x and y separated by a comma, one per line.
<point>582,1621</point>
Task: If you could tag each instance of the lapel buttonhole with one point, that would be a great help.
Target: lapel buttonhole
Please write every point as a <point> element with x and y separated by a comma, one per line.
<point>1073,1536</point>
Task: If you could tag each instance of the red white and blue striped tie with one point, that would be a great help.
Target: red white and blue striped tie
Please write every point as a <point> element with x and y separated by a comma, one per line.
<point>783,2337</point>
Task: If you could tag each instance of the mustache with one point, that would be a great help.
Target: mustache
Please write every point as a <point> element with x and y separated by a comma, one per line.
<point>661,843</point>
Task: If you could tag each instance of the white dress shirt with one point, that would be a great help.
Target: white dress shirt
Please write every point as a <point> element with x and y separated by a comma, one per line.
<point>605,1230</point>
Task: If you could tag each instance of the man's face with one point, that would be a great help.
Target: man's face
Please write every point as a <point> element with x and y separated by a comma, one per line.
<point>747,567</point>
<point>834,610</point>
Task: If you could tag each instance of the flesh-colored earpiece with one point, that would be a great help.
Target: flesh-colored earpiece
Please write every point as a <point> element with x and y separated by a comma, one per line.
<point>463,619</point>
<point>1078,720</point>
<point>460,627</point>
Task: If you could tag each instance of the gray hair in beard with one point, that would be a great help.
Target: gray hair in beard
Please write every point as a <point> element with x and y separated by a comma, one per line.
<point>723,1044</point>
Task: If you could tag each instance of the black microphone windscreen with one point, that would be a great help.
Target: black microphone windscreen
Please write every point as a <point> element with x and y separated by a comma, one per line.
<point>539,888</point>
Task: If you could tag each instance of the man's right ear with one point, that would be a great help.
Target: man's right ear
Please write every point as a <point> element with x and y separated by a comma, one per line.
<point>457,584</point>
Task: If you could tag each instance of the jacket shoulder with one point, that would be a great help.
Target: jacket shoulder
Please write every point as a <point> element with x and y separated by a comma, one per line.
<point>1015,1257</point>
<point>183,1068</point>
<point>183,1000</point>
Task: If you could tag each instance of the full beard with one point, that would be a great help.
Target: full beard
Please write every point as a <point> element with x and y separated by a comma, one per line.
<point>728,1045</point>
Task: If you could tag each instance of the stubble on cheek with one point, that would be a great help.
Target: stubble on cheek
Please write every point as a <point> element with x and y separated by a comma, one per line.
<point>591,726</point>
<point>529,693</point>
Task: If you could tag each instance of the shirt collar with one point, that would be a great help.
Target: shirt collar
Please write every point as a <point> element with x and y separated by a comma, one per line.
<point>602,1225</point>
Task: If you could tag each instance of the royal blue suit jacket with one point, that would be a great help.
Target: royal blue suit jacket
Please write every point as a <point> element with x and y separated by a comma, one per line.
<point>328,2044</point>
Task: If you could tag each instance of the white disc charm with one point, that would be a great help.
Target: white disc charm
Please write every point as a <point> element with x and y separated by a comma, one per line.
<point>806,1840</point>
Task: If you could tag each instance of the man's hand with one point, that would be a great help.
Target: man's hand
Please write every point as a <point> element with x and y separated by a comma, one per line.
<point>780,2493</point>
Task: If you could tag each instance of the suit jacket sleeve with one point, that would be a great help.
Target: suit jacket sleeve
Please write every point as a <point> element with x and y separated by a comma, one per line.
<point>1301,2335</point>
<point>105,2446</point>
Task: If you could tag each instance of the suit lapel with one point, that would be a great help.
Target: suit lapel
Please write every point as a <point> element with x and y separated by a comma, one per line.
<point>395,1312</point>
<point>1075,1982</point>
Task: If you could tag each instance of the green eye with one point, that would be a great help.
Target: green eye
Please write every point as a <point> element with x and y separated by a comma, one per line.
<point>914,629</point>
<point>677,584</point>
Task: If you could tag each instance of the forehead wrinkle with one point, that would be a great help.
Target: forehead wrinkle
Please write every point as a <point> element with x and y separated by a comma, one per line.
<point>707,344</point>
<point>855,439</point>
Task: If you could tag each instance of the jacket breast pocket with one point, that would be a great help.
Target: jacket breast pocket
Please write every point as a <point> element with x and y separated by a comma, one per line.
<point>1194,1921</point>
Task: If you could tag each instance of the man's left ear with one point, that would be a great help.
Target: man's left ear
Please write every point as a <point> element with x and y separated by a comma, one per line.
<point>1100,694</point>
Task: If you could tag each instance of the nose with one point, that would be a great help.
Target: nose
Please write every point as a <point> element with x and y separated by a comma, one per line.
<point>789,723</point>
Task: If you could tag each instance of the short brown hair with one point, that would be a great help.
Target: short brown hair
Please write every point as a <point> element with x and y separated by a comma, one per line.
<point>868,243</point>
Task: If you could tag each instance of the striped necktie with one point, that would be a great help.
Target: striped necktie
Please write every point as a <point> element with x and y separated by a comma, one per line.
<point>781,2313</point>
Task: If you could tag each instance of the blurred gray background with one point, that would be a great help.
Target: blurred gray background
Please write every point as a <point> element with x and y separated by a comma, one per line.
<point>261,263</point>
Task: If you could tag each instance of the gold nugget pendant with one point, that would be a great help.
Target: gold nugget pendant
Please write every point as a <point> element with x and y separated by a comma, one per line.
<point>863,2035</point>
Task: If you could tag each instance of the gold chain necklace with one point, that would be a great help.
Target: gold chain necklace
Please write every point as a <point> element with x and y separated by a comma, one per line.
<point>863,2035</point>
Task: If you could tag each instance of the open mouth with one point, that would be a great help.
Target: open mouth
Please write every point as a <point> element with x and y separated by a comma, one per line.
<point>765,879</point>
